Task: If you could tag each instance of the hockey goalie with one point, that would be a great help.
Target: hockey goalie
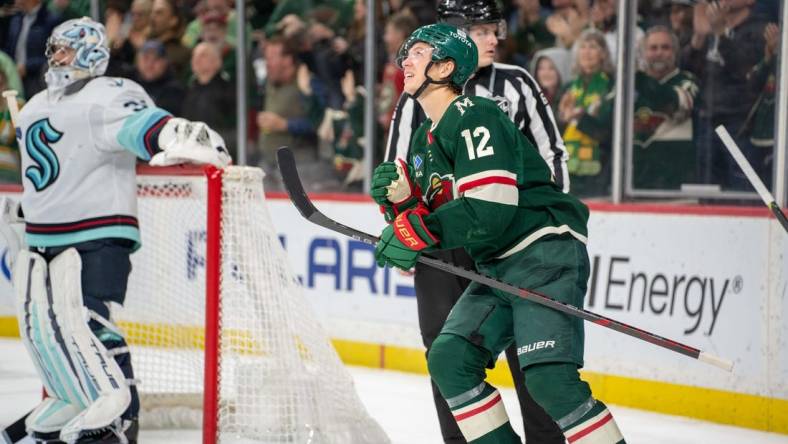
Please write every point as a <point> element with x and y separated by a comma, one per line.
<point>80,140</point>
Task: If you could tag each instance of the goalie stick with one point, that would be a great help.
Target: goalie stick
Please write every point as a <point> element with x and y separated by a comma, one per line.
<point>15,432</point>
<point>752,176</point>
<point>294,188</point>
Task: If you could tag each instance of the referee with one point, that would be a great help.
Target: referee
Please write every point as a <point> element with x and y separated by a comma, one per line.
<point>518,95</point>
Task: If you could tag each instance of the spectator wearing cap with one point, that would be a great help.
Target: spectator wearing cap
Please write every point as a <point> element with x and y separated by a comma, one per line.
<point>153,73</point>
<point>166,26</point>
<point>214,31</point>
<point>210,96</point>
<point>213,9</point>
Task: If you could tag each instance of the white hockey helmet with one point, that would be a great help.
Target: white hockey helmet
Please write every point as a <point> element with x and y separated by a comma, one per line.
<point>88,39</point>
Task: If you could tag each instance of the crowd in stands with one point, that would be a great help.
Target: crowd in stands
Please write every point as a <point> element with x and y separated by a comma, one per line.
<point>700,64</point>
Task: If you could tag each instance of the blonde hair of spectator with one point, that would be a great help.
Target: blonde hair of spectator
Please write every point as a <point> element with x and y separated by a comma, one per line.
<point>656,29</point>
<point>595,36</point>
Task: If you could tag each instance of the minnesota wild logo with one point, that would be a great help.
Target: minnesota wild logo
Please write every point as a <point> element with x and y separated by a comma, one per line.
<point>440,191</point>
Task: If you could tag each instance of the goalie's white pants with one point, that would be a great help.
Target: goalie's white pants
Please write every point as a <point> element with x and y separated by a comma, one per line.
<point>86,387</point>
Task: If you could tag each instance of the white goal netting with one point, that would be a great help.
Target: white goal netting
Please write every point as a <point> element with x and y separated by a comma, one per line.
<point>279,378</point>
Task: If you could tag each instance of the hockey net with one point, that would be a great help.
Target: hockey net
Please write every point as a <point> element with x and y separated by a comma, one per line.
<point>269,371</point>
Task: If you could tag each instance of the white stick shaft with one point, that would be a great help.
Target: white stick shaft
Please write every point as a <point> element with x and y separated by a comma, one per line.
<point>745,166</point>
<point>715,360</point>
<point>13,106</point>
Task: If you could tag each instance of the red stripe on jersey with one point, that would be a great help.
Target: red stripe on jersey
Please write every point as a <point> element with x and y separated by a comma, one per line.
<point>82,225</point>
<point>590,428</point>
<point>486,181</point>
<point>480,409</point>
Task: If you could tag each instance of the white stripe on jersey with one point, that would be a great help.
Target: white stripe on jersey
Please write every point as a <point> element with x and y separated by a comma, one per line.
<point>497,186</point>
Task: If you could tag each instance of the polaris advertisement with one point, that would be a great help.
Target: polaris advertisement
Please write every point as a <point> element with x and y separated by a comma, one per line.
<point>713,282</point>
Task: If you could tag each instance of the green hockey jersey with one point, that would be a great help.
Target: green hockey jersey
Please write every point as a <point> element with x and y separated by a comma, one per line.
<point>486,185</point>
<point>664,154</point>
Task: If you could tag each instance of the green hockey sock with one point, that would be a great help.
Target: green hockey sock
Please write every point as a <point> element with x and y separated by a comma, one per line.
<point>557,387</point>
<point>458,369</point>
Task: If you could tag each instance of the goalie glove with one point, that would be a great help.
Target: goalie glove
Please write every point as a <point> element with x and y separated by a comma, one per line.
<point>403,240</point>
<point>393,189</point>
<point>183,141</point>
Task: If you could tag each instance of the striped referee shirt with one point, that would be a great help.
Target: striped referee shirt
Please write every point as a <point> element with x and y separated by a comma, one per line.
<point>516,93</point>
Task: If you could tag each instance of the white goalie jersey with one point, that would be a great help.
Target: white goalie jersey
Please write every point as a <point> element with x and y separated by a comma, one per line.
<point>78,161</point>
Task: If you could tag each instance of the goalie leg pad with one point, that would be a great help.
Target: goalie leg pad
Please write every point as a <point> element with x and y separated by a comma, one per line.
<point>51,416</point>
<point>99,374</point>
<point>44,344</point>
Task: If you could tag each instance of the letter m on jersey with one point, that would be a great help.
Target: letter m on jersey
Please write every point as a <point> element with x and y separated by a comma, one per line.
<point>38,143</point>
<point>462,104</point>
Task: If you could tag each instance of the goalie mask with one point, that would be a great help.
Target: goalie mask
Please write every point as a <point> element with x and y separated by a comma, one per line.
<point>76,50</point>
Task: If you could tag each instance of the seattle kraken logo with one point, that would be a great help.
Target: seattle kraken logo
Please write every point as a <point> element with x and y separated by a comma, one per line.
<point>38,140</point>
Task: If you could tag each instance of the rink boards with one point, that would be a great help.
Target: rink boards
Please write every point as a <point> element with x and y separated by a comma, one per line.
<point>712,278</point>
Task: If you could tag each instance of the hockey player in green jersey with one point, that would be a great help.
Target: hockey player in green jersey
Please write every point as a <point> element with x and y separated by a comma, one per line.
<point>472,180</point>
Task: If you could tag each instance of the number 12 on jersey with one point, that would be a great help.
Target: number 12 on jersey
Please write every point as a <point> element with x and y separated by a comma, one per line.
<point>481,149</point>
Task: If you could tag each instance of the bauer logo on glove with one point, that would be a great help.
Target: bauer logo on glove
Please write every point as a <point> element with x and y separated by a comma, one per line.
<point>402,242</point>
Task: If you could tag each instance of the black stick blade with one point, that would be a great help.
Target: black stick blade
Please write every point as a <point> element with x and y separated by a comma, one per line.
<point>295,189</point>
<point>15,432</point>
<point>287,167</point>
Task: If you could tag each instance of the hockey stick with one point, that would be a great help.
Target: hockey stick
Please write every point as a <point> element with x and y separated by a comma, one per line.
<point>13,106</point>
<point>295,190</point>
<point>16,431</point>
<point>752,176</point>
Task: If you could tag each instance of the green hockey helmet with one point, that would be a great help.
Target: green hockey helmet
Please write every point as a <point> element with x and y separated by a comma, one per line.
<point>448,42</point>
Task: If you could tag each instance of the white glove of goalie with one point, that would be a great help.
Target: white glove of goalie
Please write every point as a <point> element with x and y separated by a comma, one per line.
<point>183,141</point>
